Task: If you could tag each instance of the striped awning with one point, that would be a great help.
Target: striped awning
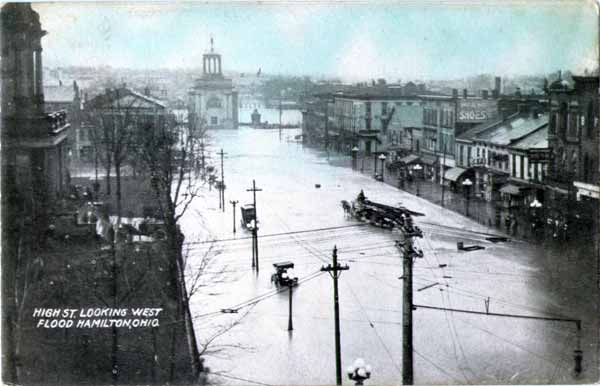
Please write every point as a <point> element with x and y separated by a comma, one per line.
<point>412,158</point>
<point>453,174</point>
<point>511,189</point>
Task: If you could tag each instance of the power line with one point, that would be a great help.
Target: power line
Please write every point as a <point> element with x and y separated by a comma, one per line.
<point>274,234</point>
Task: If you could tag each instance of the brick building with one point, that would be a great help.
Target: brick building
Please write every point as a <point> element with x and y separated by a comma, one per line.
<point>573,176</point>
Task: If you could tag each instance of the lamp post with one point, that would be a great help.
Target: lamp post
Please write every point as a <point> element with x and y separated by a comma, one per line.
<point>354,156</point>
<point>291,279</point>
<point>417,168</point>
<point>467,183</point>
<point>535,206</point>
<point>359,371</point>
<point>382,159</point>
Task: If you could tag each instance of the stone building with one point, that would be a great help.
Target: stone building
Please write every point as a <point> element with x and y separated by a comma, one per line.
<point>213,99</point>
<point>34,141</point>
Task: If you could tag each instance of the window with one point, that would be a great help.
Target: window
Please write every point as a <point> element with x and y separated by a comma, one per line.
<point>514,165</point>
<point>590,120</point>
<point>469,156</point>
<point>214,121</point>
<point>563,120</point>
<point>586,168</point>
<point>213,102</point>
<point>521,168</point>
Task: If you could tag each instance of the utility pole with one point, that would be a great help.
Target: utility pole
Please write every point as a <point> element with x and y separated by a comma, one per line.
<point>280,107</point>
<point>290,326</point>
<point>202,164</point>
<point>408,231</point>
<point>335,272</point>
<point>234,204</point>
<point>222,187</point>
<point>255,227</point>
<point>443,166</point>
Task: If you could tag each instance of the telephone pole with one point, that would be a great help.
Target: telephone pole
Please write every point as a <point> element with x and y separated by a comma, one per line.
<point>408,231</point>
<point>443,173</point>
<point>234,203</point>
<point>202,160</point>
<point>222,186</point>
<point>280,108</point>
<point>255,227</point>
<point>335,271</point>
<point>290,325</point>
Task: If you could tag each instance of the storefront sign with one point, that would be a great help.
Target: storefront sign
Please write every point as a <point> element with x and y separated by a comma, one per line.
<point>476,110</point>
<point>539,155</point>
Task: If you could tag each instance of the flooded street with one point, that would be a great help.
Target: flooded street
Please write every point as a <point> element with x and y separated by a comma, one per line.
<point>301,223</point>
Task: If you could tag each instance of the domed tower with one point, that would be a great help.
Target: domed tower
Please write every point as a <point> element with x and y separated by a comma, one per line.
<point>213,99</point>
<point>211,63</point>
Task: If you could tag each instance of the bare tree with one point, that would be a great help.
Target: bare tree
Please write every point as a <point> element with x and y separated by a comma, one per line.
<point>115,120</point>
<point>169,151</point>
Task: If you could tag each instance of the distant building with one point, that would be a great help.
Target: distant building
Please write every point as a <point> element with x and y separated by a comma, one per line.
<point>34,142</point>
<point>129,106</point>
<point>67,97</point>
<point>495,155</point>
<point>213,100</point>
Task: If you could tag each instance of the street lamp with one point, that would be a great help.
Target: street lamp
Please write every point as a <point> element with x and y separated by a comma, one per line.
<point>382,159</point>
<point>354,156</point>
<point>290,279</point>
<point>417,168</point>
<point>467,186</point>
<point>535,206</point>
<point>358,372</point>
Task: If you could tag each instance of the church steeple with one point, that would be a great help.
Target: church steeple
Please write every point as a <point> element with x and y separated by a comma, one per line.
<point>212,62</point>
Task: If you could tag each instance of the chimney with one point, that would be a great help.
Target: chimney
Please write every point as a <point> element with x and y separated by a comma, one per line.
<point>484,93</point>
<point>455,93</point>
<point>497,86</point>
<point>465,93</point>
<point>518,92</point>
<point>147,91</point>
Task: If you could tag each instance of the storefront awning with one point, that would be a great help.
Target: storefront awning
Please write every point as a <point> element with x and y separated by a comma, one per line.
<point>511,189</point>
<point>428,159</point>
<point>409,159</point>
<point>453,174</point>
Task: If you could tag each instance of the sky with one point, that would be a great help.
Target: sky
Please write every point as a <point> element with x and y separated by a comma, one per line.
<point>350,40</point>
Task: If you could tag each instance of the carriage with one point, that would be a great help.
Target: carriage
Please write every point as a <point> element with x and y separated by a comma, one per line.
<point>281,276</point>
<point>248,216</point>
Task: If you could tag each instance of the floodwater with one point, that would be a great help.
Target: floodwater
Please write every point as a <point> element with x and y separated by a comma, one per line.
<point>302,223</point>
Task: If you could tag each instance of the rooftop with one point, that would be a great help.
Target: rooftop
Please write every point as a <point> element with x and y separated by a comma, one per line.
<point>536,140</point>
<point>512,129</point>
<point>125,96</point>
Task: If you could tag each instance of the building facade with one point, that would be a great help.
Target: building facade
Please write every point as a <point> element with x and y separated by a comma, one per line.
<point>573,137</point>
<point>213,99</point>
<point>34,141</point>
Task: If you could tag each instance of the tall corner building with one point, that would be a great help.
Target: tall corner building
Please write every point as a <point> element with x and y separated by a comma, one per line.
<point>34,141</point>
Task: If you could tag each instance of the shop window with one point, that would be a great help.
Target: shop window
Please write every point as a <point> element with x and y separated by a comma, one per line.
<point>563,120</point>
<point>590,120</point>
<point>514,165</point>
<point>521,168</point>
